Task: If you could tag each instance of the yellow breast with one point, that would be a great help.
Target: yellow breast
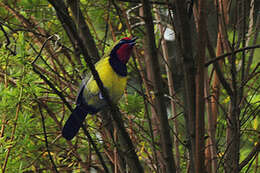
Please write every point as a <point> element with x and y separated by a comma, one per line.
<point>114,83</point>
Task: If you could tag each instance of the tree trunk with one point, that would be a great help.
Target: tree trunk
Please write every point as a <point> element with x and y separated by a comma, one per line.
<point>155,130</point>
<point>211,161</point>
<point>233,120</point>
<point>200,99</point>
<point>232,138</point>
<point>183,35</point>
<point>160,107</point>
<point>171,92</point>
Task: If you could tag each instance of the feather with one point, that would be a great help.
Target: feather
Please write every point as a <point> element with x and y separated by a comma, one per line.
<point>112,72</point>
<point>76,120</point>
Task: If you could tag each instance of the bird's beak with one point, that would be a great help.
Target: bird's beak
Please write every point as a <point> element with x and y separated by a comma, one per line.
<point>132,43</point>
<point>134,38</point>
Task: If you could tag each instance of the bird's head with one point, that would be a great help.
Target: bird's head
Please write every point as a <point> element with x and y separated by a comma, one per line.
<point>123,49</point>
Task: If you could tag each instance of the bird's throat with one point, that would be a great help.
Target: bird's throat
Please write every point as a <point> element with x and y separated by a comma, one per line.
<point>118,66</point>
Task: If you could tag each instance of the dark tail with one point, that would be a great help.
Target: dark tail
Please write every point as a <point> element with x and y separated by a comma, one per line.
<point>74,122</point>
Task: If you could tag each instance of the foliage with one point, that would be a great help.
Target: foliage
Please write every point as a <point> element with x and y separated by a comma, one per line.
<point>27,100</point>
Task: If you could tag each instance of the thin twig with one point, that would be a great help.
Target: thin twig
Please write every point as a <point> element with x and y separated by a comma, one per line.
<point>230,53</point>
<point>18,107</point>
<point>43,45</point>
<point>12,136</point>
<point>7,40</point>
<point>50,84</point>
<point>106,30</point>
<point>253,153</point>
<point>46,139</point>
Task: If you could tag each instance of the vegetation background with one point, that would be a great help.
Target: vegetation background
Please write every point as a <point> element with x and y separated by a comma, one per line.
<point>192,101</point>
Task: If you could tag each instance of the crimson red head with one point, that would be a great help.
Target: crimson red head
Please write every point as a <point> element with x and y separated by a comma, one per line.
<point>123,49</point>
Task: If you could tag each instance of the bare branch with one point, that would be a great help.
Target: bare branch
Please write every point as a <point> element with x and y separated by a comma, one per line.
<point>214,60</point>
<point>254,152</point>
<point>46,139</point>
<point>7,40</point>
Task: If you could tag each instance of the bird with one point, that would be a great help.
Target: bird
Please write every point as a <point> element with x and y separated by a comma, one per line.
<point>112,71</point>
